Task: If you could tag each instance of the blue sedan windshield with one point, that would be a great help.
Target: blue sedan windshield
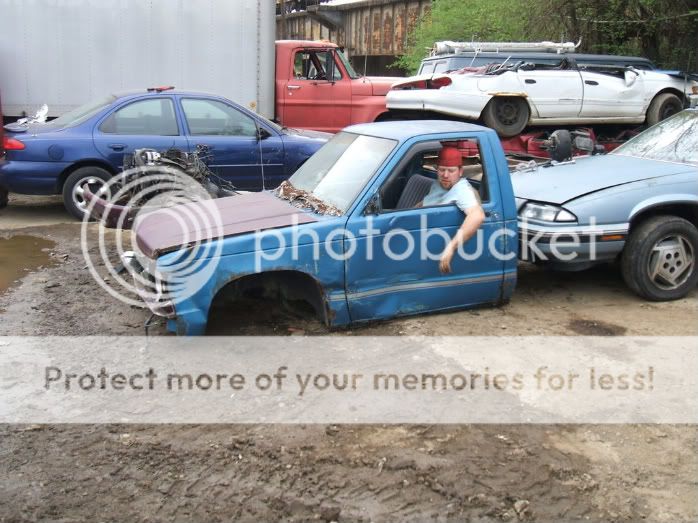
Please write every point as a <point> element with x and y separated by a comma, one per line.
<point>672,140</point>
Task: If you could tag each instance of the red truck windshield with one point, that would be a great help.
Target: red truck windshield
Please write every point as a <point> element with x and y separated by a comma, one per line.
<point>347,65</point>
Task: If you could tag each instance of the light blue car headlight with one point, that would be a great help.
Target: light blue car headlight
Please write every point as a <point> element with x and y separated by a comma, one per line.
<point>546,212</point>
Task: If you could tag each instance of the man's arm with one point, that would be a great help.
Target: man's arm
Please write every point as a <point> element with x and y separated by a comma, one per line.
<point>474,216</point>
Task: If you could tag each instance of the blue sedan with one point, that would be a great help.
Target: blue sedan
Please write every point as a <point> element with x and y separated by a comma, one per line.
<point>88,144</point>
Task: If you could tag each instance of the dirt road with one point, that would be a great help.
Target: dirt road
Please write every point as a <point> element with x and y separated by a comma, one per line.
<point>336,473</point>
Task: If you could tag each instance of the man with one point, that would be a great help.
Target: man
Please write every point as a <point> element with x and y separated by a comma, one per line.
<point>452,187</point>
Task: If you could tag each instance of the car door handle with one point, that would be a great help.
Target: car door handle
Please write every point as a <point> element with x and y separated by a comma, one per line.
<point>117,146</point>
<point>529,81</point>
<point>293,87</point>
<point>207,146</point>
<point>591,82</point>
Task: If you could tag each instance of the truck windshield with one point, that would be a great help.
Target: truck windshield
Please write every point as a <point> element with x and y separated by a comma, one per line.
<point>341,168</point>
<point>672,140</point>
<point>347,65</point>
<point>82,113</point>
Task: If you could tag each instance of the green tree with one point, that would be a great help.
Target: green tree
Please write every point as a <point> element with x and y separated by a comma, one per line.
<point>665,31</point>
<point>467,20</point>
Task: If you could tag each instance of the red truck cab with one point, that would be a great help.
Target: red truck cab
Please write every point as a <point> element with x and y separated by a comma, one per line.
<point>317,88</point>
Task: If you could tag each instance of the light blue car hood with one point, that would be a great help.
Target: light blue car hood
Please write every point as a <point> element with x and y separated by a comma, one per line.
<point>562,183</point>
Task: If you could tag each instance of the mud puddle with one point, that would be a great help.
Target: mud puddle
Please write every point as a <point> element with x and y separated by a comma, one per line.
<point>22,254</point>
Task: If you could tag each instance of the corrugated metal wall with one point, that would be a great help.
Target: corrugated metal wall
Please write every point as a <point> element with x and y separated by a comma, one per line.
<point>367,28</point>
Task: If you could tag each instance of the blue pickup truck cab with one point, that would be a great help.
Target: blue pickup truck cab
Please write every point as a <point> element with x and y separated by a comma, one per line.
<point>347,233</point>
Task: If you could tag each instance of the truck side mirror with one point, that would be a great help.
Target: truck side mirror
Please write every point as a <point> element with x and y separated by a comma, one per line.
<point>373,206</point>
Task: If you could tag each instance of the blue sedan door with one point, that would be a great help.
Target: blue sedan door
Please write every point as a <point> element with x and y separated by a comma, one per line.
<point>236,142</point>
<point>143,123</point>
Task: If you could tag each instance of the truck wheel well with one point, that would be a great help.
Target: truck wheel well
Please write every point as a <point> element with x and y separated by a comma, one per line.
<point>284,287</point>
<point>687,211</point>
<point>77,165</point>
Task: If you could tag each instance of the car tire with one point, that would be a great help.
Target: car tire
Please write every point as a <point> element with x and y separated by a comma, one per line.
<point>507,115</point>
<point>659,259</point>
<point>663,106</point>
<point>4,198</point>
<point>72,199</point>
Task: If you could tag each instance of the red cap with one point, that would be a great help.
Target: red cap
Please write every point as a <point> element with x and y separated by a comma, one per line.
<point>450,156</point>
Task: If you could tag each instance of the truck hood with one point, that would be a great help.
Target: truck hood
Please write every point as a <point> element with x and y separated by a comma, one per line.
<point>380,85</point>
<point>167,230</point>
<point>562,183</point>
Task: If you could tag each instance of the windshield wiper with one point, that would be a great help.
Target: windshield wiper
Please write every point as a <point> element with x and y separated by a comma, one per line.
<point>305,199</point>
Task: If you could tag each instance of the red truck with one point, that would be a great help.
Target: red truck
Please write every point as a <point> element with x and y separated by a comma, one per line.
<point>317,88</point>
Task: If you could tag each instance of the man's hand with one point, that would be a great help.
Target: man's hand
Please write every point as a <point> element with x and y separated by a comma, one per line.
<point>446,257</point>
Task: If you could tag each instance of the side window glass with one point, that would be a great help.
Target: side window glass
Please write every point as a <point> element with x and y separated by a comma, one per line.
<point>215,118</point>
<point>154,116</point>
<point>427,68</point>
<point>312,65</point>
<point>440,67</point>
<point>416,176</point>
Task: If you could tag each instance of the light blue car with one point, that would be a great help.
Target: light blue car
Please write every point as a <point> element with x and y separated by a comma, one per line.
<point>348,234</point>
<point>638,204</point>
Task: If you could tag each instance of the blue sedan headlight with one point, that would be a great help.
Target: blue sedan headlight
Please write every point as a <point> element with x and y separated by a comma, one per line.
<point>546,212</point>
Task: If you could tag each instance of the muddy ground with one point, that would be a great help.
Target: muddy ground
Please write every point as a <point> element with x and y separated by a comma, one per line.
<point>335,473</point>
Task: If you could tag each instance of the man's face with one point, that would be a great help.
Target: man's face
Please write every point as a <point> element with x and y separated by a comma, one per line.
<point>448,176</point>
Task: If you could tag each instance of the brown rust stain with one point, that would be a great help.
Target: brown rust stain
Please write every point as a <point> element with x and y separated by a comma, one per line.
<point>412,17</point>
<point>388,34</point>
<point>375,33</point>
<point>400,37</point>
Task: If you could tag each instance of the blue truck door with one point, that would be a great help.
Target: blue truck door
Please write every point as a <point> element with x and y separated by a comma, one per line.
<point>231,136</point>
<point>390,273</point>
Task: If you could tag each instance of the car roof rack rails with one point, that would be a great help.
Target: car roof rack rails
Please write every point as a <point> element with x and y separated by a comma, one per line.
<point>449,47</point>
<point>160,88</point>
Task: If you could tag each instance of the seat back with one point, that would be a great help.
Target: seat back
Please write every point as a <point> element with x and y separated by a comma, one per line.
<point>416,188</point>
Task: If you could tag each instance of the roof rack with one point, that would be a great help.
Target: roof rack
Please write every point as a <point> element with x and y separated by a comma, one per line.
<point>448,47</point>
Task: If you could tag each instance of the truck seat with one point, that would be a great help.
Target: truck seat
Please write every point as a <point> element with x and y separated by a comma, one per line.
<point>416,188</point>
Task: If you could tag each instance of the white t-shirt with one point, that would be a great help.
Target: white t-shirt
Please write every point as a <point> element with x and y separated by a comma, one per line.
<point>462,194</point>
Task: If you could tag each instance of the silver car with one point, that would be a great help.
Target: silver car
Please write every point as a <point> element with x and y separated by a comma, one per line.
<point>638,204</point>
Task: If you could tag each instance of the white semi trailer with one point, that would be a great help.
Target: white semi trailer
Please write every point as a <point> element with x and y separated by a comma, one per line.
<point>64,53</point>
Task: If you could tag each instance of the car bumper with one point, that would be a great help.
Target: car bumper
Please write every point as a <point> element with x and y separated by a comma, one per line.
<point>571,247</point>
<point>40,178</point>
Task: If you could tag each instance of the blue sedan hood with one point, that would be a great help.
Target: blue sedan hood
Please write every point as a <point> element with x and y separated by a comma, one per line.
<point>562,183</point>
<point>307,133</point>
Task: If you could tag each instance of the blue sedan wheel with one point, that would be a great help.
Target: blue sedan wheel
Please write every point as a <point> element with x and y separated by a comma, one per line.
<point>74,188</point>
<point>4,198</point>
<point>659,260</point>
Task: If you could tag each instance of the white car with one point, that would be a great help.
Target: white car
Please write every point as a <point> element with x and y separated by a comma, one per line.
<point>509,97</point>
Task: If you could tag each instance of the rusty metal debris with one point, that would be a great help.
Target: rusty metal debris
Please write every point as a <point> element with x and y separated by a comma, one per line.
<point>301,198</point>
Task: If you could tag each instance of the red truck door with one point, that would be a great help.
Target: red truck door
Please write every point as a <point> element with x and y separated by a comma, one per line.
<point>317,93</point>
